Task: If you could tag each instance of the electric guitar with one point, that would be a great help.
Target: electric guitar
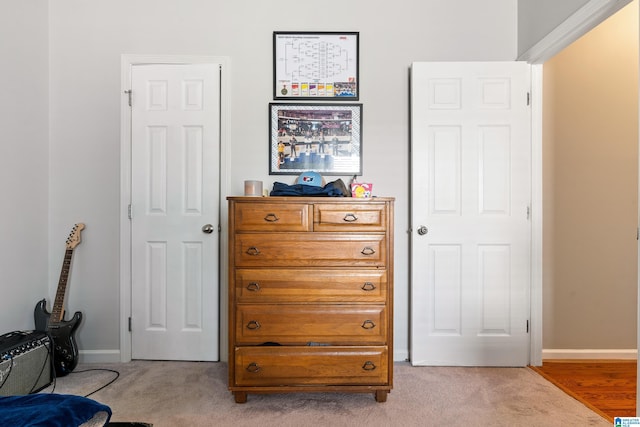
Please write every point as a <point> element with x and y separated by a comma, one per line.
<point>65,348</point>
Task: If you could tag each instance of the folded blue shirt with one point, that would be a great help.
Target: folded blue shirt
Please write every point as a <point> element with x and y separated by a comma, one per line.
<point>332,189</point>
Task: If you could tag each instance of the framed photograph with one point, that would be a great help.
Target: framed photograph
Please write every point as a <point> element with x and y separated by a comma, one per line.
<point>325,138</point>
<point>318,66</point>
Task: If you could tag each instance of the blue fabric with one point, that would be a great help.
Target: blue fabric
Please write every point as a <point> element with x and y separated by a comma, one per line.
<point>50,410</point>
<point>332,189</point>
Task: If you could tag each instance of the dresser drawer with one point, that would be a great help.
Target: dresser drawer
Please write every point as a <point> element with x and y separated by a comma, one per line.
<point>309,250</point>
<point>273,366</point>
<point>273,217</point>
<point>318,285</point>
<point>355,217</point>
<point>311,323</point>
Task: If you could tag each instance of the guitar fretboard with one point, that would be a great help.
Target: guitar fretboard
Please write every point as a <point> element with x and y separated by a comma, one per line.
<point>57,313</point>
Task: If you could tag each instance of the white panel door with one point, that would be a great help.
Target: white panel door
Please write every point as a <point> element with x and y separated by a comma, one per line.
<point>175,211</point>
<point>471,191</point>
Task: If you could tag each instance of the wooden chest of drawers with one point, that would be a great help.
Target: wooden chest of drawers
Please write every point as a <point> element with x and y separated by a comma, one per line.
<point>310,295</point>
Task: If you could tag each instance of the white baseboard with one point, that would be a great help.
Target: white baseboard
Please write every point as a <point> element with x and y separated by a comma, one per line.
<point>99,356</point>
<point>113,356</point>
<point>400,355</point>
<point>622,354</point>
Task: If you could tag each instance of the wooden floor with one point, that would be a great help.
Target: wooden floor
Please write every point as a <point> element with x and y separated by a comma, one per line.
<point>606,386</point>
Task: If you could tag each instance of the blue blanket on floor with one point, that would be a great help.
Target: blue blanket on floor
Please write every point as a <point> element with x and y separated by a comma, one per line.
<point>50,410</point>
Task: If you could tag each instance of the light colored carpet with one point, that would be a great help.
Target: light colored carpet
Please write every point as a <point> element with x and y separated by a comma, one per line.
<point>194,394</point>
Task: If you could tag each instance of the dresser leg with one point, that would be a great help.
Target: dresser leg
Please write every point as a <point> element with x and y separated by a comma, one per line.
<point>381,395</point>
<point>241,396</point>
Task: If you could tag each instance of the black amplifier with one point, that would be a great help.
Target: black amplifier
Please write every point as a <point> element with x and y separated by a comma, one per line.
<point>25,362</point>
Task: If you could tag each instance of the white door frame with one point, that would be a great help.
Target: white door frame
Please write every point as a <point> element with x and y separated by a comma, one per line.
<point>127,61</point>
<point>578,24</point>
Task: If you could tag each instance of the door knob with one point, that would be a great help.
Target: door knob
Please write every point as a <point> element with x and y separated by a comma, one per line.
<point>207,228</point>
<point>422,230</point>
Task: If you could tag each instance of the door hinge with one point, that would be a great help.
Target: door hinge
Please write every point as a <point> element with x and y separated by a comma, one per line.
<point>128,92</point>
<point>129,323</point>
<point>129,211</point>
<point>528,212</point>
<point>528,98</point>
<point>527,325</point>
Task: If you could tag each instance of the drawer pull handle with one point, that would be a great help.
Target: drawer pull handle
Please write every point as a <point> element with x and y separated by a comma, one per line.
<point>369,366</point>
<point>253,251</point>
<point>368,251</point>
<point>368,324</point>
<point>271,217</point>
<point>253,325</point>
<point>254,368</point>
<point>350,217</point>
<point>368,286</point>
<point>253,287</point>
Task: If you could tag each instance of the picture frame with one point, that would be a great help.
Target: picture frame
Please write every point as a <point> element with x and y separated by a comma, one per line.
<point>317,66</point>
<point>325,138</point>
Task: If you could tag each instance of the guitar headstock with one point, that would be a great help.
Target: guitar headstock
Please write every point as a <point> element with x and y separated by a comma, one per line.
<point>74,237</point>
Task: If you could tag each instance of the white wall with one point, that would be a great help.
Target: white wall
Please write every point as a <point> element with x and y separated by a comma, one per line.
<point>87,39</point>
<point>545,27</point>
<point>537,18</point>
<point>24,156</point>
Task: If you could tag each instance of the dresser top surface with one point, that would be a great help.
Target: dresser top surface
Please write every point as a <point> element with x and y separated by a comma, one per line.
<point>303,199</point>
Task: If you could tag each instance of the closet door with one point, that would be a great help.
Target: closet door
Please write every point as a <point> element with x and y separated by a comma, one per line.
<point>471,233</point>
<point>175,211</point>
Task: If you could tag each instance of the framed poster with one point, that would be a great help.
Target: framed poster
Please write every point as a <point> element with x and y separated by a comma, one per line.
<point>318,66</point>
<point>325,138</point>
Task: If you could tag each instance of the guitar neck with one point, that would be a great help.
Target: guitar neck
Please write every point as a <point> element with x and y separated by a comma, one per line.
<point>57,312</point>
